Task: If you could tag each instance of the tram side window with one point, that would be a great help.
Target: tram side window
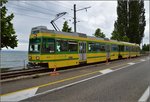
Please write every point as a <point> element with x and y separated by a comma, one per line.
<point>102,47</point>
<point>93,47</point>
<point>126,48</point>
<point>62,45</point>
<point>48,45</point>
<point>114,47</point>
<point>97,46</point>
<point>121,48</point>
<point>132,49</point>
<point>90,47</point>
<point>73,46</point>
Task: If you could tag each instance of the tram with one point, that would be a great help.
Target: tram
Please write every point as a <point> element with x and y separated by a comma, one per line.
<point>57,49</point>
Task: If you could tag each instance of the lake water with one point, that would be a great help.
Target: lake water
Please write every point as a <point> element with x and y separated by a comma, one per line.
<point>13,59</point>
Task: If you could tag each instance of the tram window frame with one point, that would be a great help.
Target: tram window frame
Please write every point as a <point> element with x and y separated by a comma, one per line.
<point>48,45</point>
<point>93,47</point>
<point>35,45</point>
<point>60,45</point>
<point>96,47</point>
<point>134,48</point>
<point>130,48</point>
<point>102,47</point>
<point>90,47</point>
<point>127,48</point>
<point>108,48</point>
<point>35,48</point>
<point>121,48</point>
<point>114,48</point>
<point>74,44</point>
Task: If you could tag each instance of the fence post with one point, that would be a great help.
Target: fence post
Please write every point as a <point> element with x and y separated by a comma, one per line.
<point>24,64</point>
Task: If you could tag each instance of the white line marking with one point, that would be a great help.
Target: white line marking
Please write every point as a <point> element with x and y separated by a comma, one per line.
<point>145,96</point>
<point>131,63</point>
<point>143,60</point>
<point>106,71</point>
<point>18,96</point>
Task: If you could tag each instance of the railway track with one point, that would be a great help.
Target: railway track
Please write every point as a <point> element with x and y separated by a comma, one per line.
<point>18,73</point>
<point>38,70</point>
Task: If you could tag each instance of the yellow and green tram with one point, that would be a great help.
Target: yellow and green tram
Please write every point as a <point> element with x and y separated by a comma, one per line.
<point>60,49</point>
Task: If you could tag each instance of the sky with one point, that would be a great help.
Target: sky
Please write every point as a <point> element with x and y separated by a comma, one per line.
<point>101,14</point>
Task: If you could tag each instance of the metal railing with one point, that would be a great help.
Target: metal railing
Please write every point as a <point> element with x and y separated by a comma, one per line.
<point>15,64</point>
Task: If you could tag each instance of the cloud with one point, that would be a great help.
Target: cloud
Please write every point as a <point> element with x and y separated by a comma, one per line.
<point>102,14</point>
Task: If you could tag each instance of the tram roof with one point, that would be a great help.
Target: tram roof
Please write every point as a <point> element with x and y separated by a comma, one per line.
<point>43,29</point>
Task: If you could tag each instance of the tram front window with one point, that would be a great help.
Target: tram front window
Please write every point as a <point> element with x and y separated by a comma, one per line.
<point>35,48</point>
<point>35,45</point>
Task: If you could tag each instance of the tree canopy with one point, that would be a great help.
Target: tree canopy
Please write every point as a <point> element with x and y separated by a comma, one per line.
<point>130,23</point>
<point>66,27</point>
<point>146,47</point>
<point>8,37</point>
<point>99,33</point>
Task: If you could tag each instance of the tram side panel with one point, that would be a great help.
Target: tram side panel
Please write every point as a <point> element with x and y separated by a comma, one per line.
<point>66,53</point>
<point>114,51</point>
<point>96,52</point>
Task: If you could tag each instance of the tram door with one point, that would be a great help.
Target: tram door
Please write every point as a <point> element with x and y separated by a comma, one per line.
<point>82,51</point>
<point>108,51</point>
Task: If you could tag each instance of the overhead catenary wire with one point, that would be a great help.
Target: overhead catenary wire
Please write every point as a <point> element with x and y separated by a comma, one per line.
<point>60,5</point>
<point>49,10</point>
<point>41,10</point>
<point>35,10</point>
<point>22,14</point>
<point>29,9</point>
<point>65,4</point>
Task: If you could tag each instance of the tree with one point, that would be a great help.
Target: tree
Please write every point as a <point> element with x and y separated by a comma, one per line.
<point>146,47</point>
<point>99,34</point>
<point>130,21</point>
<point>142,21</point>
<point>66,27</point>
<point>115,34</point>
<point>120,26</point>
<point>133,29</point>
<point>125,39</point>
<point>8,37</point>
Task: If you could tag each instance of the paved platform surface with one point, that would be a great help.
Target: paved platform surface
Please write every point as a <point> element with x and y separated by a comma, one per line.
<point>117,86</point>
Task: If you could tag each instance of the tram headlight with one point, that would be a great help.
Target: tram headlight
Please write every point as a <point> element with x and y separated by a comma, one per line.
<point>37,57</point>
